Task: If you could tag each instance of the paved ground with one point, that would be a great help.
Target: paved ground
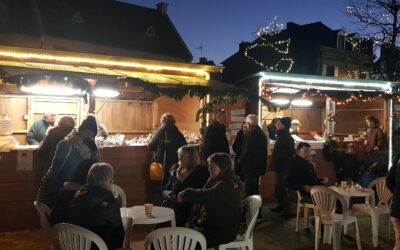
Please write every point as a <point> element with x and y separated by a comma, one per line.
<point>273,234</point>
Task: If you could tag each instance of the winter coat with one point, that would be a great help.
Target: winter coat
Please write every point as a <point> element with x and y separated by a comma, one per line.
<point>347,167</point>
<point>302,173</point>
<point>283,152</point>
<point>159,145</point>
<point>393,183</point>
<point>271,131</point>
<point>96,209</point>
<point>237,148</point>
<point>218,211</point>
<point>253,158</point>
<point>215,140</point>
<point>60,209</point>
<point>197,179</point>
<point>37,132</point>
<point>48,146</point>
<point>68,155</point>
<point>375,138</point>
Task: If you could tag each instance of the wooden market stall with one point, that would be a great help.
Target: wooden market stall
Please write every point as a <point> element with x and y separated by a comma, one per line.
<point>136,111</point>
<point>318,102</point>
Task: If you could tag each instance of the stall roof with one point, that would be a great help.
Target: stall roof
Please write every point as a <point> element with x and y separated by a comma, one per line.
<point>154,71</point>
<point>297,81</point>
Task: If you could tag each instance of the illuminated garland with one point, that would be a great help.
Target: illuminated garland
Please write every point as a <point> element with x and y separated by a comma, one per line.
<point>269,32</point>
<point>340,97</point>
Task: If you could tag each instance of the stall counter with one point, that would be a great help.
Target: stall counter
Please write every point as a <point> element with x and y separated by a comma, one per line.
<point>18,186</point>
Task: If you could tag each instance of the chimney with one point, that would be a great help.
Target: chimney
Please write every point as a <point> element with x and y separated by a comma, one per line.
<point>243,45</point>
<point>162,7</point>
<point>203,60</point>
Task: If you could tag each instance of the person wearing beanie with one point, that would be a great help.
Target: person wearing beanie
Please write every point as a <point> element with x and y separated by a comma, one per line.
<point>282,160</point>
<point>79,145</point>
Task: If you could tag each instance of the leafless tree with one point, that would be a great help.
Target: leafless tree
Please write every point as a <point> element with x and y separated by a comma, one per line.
<point>379,20</point>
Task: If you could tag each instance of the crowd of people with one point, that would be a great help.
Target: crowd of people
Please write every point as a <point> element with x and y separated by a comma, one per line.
<point>202,184</point>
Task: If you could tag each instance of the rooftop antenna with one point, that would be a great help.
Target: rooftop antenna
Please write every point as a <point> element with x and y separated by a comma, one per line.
<point>201,50</point>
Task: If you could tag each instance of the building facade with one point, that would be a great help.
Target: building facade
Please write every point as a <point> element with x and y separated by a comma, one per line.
<point>312,49</point>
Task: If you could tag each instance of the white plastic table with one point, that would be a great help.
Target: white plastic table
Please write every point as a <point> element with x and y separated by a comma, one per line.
<point>348,193</point>
<point>159,215</point>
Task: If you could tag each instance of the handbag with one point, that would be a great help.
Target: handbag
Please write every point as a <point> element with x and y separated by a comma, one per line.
<point>157,169</point>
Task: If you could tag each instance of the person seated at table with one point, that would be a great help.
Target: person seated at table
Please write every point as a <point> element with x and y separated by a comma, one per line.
<point>95,208</point>
<point>301,176</point>
<point>376,166</point>
<point>187,173</point>
<point>217,214</point>
<point>347,165</point>
<point>59,212</point>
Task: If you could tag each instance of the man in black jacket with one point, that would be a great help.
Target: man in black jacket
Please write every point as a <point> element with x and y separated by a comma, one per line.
<point>215,140</point>
<point>301,176</point>
<point>282,160</point>
<point>253,158</point>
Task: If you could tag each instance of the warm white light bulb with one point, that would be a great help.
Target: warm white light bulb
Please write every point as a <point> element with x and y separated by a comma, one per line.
<point>52,90</point>
<point>105,93</point>
<point>302,102</point>
<point>280,101</point>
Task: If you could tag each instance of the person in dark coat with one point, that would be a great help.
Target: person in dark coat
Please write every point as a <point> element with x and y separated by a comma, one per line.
<point>217,214</point>
<point>59,212</point>
<point>253,158</point>
<point>95,208</point>
<point>393,184</point>
<point>188,173</point>
<point>214,140</point>
<point>168,140</point>
<point>272,129</point>
<point>38,130</point>
<point>237,148</point>
<point>77,146</point>
<point>282,161</point>
<point>302,177</point>
<point>48,147</point>
<point>347,165</point>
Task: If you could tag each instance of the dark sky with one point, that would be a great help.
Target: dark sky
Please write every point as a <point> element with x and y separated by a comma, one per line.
<point>220,25</point>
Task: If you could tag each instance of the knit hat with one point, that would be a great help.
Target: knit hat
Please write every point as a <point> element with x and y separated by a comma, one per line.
<point>90,123</point>
<point>286,121</point>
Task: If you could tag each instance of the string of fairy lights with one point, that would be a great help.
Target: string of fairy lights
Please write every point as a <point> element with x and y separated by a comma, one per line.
<point>267,39</point>
<point>339,97</point>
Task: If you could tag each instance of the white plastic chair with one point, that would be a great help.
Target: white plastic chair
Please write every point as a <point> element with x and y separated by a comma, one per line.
<point>72,237</point>
<point>251,206</point>
<point>119,193</point>
<point>44,215</point>
<point>324,200</point>
<point>376,210</point>
<point>305,207</point>
<point>175,238</point>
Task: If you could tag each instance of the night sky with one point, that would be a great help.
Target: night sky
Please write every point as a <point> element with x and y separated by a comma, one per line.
<point>220,25</point>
